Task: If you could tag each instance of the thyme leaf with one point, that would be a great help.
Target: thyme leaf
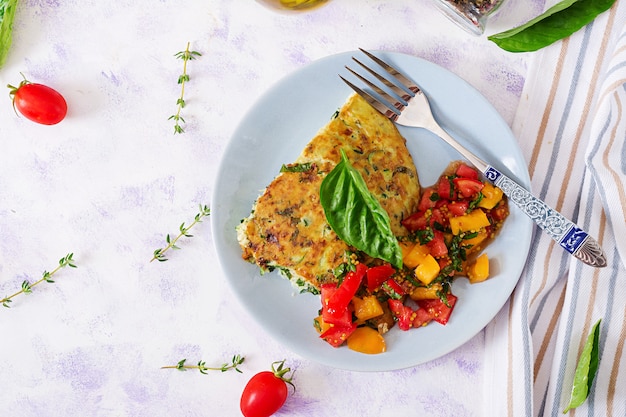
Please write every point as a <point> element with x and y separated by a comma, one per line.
<point>159,254</point>
<point>201,365</point>
<point>27,286</point>
<point>186,56</point>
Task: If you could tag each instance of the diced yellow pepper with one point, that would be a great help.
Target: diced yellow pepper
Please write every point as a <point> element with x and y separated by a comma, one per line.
<point>427,270</point>
<point>416,255</point>
<point>320,325</point>
<point>472,221</point>
<point>406,247</point>
<point>491,196</point>
<point>367,307</point>
<point>366,340</point>
<point>476,240</point>
<point>426,293</point>
<point>479,270</point>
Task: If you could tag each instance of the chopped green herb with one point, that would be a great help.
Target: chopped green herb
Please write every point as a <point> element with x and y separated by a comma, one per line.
<point>296,167</point>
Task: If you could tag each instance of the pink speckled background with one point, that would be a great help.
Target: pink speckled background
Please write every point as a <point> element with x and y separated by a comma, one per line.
<point>111,180</point>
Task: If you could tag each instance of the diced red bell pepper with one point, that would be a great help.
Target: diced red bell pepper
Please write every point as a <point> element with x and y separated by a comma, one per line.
<point>407,317</point>
<point>437,245</point>
<point>437,309</point>
<point>468,188</point>
<point>376,275</point>
<point>393,289</point>
<point>465,171</point>
<point>458,208</point>
<point>337,335</point>
<point>338,302</point>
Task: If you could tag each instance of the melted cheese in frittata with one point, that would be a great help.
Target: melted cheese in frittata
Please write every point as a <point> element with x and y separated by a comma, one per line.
<point>287,228</point>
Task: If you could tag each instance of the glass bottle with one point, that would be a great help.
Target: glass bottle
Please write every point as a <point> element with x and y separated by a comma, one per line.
<point>292,5</point>
<point>471,15</point>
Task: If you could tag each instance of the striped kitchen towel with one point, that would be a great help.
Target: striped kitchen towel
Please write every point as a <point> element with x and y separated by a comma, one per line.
<point>571,125</point>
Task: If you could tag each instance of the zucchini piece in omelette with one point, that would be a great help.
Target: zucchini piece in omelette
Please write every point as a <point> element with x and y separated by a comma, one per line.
<point>287,228</point>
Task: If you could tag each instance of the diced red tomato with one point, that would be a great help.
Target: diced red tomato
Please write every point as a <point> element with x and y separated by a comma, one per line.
<point>339,301</point>
<point>465,171</point>
<point>376,275</point>
<point>416,221</point>
<point>338,318</point>
<point>427,201</point>
<point>468,188</point>
<point>499,212</point>
<point>337,335</point>
<point>445,188</point>
<point>393,289</point>
<point>437,309</point>
<point>437,245</point>
<point>406,316</point>
<point>458,208</point>
<point>437,217</point>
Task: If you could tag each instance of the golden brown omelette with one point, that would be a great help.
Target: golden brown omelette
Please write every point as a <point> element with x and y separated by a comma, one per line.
<point>287,228</point>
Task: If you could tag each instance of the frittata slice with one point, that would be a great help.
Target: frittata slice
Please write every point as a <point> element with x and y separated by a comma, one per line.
<point>287,228</point>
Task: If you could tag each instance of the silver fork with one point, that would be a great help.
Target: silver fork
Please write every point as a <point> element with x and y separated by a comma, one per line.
<point>403,101</point>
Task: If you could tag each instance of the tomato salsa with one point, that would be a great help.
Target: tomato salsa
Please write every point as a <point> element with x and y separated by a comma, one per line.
<point>455,220</point>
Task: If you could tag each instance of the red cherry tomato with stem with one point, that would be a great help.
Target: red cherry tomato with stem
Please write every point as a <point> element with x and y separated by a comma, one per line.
<point>38,102</point>
<point>266,392</point>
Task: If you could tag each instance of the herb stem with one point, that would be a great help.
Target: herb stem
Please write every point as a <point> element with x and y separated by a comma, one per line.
<point>27,287</point>
<point>186,56</point>
<point>158,254</point>
<point>201,365</point>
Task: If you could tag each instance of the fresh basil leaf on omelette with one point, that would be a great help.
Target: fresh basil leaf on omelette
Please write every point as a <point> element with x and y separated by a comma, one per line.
<point>287,228</point>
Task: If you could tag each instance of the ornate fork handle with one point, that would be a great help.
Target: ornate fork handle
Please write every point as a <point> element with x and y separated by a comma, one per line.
<point>569,236</point>
<point>566,233</point>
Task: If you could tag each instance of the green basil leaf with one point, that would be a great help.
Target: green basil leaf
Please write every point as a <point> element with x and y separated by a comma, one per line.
<point>586,369</point>
<point>356,216</point>
<point>558,22</point>
<point>7,13</point>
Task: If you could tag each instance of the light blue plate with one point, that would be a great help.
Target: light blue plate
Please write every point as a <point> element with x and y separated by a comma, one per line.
<point>275,131</point>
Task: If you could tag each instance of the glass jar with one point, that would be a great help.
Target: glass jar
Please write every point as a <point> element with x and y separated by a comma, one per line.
<point>292,5</point>
<point>471,15</point>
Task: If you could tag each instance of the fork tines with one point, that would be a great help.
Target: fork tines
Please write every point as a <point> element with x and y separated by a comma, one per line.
<point>396,92</point>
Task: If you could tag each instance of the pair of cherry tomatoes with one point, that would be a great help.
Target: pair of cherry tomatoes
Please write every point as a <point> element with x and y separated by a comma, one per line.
<point>38,102</point>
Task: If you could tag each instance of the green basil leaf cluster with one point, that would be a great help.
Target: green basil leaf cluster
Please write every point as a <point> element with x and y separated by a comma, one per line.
<point>556,23</point>
<point>7,13</point>
<point>585,369</point>
<point>356,216</point>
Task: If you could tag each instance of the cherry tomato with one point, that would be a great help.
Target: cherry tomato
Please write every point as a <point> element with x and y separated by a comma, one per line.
<point>266,392</point>
<point>38,102</point>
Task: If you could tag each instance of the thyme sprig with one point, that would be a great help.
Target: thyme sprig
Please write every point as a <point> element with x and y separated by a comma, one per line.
<point>27,286</point>
<point>158,254</point>
<point>201,366</point>
<point>186,56</point>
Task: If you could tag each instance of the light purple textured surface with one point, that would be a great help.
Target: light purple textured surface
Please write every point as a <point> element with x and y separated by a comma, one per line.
<point>110,181</point>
